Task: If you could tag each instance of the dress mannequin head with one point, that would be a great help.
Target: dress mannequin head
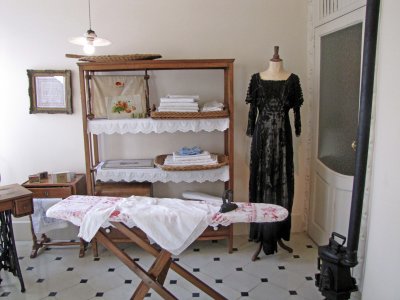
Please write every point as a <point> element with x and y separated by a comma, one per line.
<point>275,69</point>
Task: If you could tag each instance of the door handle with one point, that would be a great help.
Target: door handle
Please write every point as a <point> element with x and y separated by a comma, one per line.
<point>354,145</point>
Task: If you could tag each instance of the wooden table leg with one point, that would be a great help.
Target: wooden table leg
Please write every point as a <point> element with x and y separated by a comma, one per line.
<point>37,244</point>
<point>82,247</point>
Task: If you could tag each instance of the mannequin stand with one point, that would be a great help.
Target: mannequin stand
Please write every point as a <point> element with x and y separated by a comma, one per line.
<point>280,243</point>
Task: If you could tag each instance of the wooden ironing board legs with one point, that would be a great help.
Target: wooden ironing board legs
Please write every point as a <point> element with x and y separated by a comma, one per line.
<point>154,278</point>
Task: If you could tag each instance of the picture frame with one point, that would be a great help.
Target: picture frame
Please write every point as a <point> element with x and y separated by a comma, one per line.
<point>50,91</point>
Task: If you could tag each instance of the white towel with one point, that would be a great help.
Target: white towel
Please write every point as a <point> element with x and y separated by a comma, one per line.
<point>41,223</point>
<point>178,109</point>
<point>172,223</point>
<point>180,100</point>
<point>178,104</point>
<point>196,97</point>
<point>213,106</point>
<point>169,161</point>
<point>178,156</point>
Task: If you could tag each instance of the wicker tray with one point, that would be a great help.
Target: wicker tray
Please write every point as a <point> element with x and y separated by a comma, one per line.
<point>114,58</point>
<point>189,115</point>
<point>159,162</point>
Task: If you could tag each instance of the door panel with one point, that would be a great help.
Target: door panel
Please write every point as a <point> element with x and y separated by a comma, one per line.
<point>338,48</point>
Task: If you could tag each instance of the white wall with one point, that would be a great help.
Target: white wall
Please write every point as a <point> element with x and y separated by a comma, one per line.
<point>33,35</point>
<point>383,244</point>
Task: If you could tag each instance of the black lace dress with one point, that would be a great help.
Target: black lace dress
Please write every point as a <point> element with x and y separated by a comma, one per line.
<point>271,163</point>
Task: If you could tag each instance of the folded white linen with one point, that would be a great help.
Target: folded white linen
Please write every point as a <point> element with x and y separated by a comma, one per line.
<point>179,104</point>
<point>179,100</point>
<point>178,109</point>
<point>41,223</point>
<point>196,97</point>
<point>211,109</point>
<point>213,106</point>
<point>178,156</point>
<point>169,161</point>
<point>171,223</point>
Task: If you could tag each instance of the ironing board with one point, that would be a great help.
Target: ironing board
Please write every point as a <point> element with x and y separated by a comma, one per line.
<point>76,207</point>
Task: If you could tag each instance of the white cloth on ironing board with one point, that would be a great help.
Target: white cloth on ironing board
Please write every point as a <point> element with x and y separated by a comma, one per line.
<point>92,212</point>
<point>41,223</point>
<point>172,223</point>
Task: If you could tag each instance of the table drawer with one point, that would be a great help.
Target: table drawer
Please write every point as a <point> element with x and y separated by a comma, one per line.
<point>57,192</point>
<point>23,207</point>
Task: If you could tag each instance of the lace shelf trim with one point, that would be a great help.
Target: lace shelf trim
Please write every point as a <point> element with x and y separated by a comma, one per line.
<point>149,125</point>
<point>158,175</point>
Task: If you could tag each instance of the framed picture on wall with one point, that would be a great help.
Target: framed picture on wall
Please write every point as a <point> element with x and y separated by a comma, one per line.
<point>50,91</point>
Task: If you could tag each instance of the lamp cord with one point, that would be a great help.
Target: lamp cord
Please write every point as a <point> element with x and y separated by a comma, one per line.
<point>90,17</point>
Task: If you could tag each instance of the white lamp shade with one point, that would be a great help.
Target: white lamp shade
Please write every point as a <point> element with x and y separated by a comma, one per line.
<point>96,42</point>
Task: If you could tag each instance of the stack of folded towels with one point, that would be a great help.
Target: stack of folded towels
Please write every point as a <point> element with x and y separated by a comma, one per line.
<point>179,103</point>
<point>191,157</point>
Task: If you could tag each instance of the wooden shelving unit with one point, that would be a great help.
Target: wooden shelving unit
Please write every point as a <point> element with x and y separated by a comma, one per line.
<point>87,69</point>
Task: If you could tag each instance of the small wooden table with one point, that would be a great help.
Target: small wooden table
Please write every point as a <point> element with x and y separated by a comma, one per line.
<point>49,189</point>
<point>16,200</point>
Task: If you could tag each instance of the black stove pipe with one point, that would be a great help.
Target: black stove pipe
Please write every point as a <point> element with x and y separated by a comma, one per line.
<point>367,86</point>
<point>335,260</point>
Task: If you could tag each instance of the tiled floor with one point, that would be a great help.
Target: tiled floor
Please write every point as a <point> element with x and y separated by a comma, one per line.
<point>58,273</point>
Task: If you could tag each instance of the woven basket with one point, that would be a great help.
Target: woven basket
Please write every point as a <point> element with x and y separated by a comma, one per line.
<point>159,162</point>
<point>189,115</point>
<point>114,58</point>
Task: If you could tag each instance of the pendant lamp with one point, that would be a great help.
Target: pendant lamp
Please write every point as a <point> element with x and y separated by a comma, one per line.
<point>89,40</point>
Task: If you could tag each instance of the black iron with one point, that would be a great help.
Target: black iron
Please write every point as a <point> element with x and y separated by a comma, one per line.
<point>227,199</point>
<point>335,261</point>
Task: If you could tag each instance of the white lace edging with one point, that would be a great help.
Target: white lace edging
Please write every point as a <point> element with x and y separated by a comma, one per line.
<point>158,175</point>
<point>149,125</point>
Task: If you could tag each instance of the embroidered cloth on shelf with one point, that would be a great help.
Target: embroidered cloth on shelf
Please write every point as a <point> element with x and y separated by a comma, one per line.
<point>171,223</point>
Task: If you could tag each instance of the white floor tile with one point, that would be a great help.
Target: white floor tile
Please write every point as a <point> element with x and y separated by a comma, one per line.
<point>286,276</point>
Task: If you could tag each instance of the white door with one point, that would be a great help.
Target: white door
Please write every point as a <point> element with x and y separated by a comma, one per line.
<point>338,50</point>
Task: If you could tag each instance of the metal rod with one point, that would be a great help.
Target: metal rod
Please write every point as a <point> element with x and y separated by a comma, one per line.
<point>367,85</point>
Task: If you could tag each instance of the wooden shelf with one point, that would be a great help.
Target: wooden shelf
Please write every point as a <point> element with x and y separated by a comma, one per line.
<point>94,127</point>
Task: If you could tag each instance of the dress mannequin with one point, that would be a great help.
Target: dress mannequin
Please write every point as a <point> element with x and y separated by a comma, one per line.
<point>272,93</point>
<point>275,69</point>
